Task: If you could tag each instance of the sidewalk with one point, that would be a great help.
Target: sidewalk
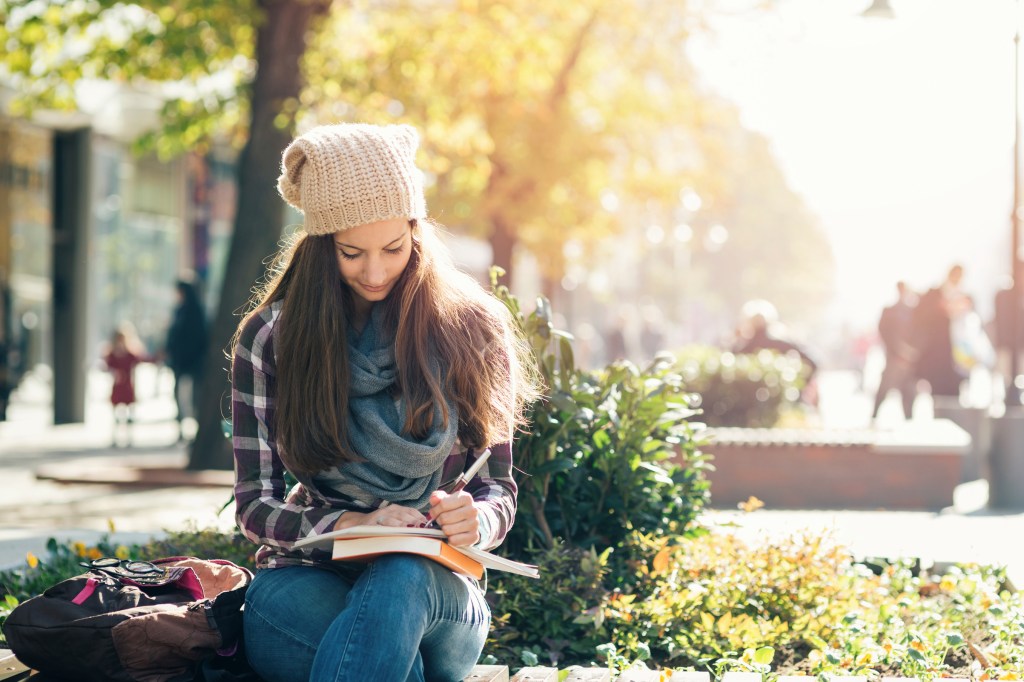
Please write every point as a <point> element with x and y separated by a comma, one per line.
<point>33,510</point>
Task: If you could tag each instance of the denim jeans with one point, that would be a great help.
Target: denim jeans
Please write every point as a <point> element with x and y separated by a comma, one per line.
<point>405,618</point>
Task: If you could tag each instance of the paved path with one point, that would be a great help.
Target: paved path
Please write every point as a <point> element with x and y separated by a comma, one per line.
<point>33,510</point>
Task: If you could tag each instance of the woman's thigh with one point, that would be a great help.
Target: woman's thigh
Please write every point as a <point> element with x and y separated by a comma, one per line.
<point>287,612</point>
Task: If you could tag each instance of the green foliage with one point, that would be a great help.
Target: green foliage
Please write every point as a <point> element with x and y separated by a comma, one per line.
<point>206,543</point>
<point>62,561</point>
<point>795,605</point>
<point>554,618</point>
<point>606,452</point>
<point>204,48</point>
<point>753,390</point>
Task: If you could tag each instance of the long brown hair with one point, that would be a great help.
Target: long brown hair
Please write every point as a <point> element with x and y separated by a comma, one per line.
<point>441,318</point>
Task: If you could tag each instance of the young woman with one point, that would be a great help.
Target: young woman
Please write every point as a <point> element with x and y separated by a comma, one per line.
<point>374,372</point>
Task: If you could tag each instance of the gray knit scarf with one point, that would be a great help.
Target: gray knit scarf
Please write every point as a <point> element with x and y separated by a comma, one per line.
<point>397,468</point>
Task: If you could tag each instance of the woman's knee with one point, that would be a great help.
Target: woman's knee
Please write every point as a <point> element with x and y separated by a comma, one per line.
<point>287,612</point>
<point>410,568</point>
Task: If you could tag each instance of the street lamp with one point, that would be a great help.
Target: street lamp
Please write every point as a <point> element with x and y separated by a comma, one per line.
<point>1016,270</point>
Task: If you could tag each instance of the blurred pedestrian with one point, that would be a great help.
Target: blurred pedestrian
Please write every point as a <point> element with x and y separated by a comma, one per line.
<point>894,332</point>
<point>1005,341</point>
<point>615,343</point>
<point>760,329</point>
<point>185,348</point>
<point>931,334</point>
<point>121,356</point>
<point>652,333</point>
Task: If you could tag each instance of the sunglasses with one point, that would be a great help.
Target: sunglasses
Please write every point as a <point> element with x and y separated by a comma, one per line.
<point>141,571</point>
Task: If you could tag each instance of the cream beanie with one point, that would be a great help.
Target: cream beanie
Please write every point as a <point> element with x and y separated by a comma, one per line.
<point>350,174</point>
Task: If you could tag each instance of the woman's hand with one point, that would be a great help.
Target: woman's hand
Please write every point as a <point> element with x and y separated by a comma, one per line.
<point>392,515</point>
<point>456,516</point>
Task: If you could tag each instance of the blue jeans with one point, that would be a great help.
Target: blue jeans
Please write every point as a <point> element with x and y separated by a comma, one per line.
<point>405,618</point>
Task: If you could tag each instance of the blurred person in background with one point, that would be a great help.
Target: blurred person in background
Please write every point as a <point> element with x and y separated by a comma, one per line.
<point>931,335</point>
<point>894,327</point>
<point>185,347</point>
<point>124,352</point>
<point>760,329</point>
<point>1004,339</point>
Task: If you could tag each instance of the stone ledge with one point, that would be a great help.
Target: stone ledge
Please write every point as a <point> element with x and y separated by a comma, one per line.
<point>915,467</point>
<point>12,670</point>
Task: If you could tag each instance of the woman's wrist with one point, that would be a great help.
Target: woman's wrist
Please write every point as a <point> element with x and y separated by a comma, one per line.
<point>349,519</point>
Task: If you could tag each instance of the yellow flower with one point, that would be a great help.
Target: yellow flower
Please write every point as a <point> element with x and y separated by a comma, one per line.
<point>947,584</point>
<point>865,658</point>
<point>752,504</point>
<point>1009,675</point>
<point>887,647</point>
<point>917,645</point>
<point>79,548</point>
<point>32,560</point>
<point>122,552</point>
<point>95,553</point>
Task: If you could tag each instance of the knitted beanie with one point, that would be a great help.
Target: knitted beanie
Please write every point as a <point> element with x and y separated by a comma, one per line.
<point>350,174</point>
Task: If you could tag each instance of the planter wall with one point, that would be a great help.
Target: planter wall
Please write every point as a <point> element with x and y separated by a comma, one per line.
<point>914,467</point>
<point>1006,461</point>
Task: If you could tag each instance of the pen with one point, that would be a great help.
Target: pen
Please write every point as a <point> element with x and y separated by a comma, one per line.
<point>465,478</point>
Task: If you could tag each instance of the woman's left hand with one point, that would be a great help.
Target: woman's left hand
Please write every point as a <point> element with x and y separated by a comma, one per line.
<point>456,516</point>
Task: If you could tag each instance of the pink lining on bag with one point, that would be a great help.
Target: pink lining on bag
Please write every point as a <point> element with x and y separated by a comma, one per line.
<point>90,587</point>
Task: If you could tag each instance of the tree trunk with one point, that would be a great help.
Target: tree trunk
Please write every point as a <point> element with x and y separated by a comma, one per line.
<point>503,245</point>
<point>280,45</point>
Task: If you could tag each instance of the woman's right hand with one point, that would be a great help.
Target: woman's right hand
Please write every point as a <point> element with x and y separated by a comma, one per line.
<point>393,515</point>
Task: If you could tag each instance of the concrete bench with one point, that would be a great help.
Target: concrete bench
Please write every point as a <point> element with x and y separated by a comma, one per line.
<point>13,671</point>
<point>914,466</point>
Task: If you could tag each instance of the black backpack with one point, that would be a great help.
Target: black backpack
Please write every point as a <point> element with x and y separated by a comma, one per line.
<point>171,620</point>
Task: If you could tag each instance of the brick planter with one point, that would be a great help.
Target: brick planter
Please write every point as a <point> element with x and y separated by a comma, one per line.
<point>916,466</point>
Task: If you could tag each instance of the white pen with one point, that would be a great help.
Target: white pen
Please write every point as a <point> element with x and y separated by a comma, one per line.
<point>465,478</point>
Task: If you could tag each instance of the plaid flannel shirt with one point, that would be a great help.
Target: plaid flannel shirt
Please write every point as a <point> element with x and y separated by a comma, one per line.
<point>275,518</point>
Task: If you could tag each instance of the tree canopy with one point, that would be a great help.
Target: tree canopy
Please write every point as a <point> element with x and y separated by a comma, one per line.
<point>537,118</point>
<point>530,111</point>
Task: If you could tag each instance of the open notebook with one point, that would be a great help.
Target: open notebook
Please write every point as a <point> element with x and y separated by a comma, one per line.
<point>362,543</point>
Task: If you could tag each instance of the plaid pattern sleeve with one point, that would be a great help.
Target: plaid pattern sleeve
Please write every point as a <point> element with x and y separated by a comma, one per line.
<point>494,491</point>
<point>262,512</point>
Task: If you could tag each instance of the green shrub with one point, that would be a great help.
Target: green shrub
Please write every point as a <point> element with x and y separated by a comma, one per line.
<point>607,452</point>
<point>742,390</point>
<point>553,619</point>
<point>797,605</point>
<point>208,543</point>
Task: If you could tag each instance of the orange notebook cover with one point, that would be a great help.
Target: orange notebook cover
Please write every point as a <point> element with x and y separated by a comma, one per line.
<point>326,541</point>
<point>368,548</point>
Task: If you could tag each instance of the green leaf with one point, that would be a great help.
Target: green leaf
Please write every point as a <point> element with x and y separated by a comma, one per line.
<point>563,401</point>
<point>554,466</point>
<point>764,655</point>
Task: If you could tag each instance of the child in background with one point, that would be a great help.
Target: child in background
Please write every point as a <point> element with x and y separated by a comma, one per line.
<point>121,357</point>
